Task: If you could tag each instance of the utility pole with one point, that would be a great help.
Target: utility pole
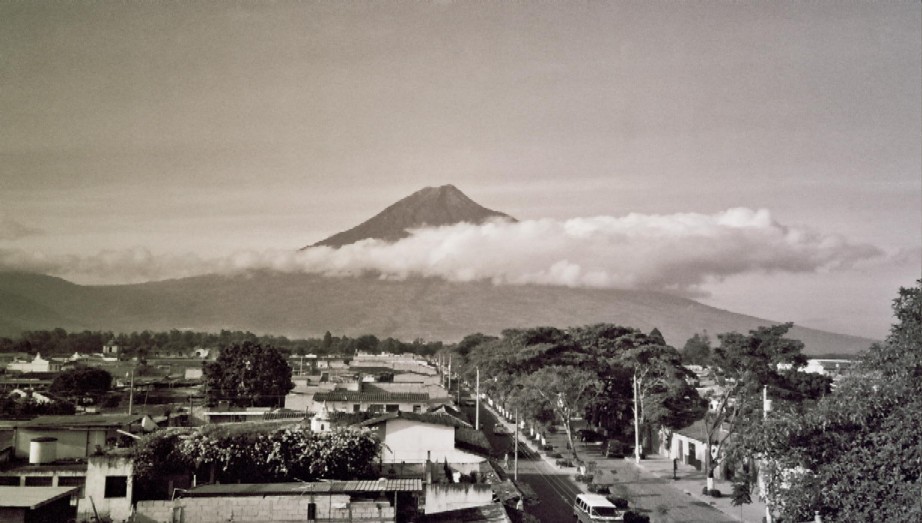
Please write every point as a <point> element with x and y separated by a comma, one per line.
<point>477,403</point>
<point>131,393</point>
<point>515,467</point>
<point>636,424</point>
<point>449,373</point>
<point>766,406</point>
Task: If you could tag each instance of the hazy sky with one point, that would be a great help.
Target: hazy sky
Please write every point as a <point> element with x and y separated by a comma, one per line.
<point>175,133</point>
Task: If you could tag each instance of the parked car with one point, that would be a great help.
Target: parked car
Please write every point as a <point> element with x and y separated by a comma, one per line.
<point>499,429</point>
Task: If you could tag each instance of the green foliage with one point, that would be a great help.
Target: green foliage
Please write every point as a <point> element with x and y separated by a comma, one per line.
<point>697,350</point>
<point>256,454</point>
<point>741,494</point>
<point>248,374</point>
<point>82,381</point>
<point>24,408</point>
<point>856,456</point>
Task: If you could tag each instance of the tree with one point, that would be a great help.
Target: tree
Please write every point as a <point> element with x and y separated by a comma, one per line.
<point>82,381</point>
<point>856,456</point>
<point>248,374</point>
<point>565,391</point>
<point>744,365</point>
<point>697,350</point>
<point>664,398</point>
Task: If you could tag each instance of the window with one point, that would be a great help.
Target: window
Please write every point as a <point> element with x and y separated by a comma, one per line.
<point>116,487</point>
<point>376,407</point>
<point>73,481</point>
<point>9,481</point>
<point>38,481</point>
<point>356,407</point>
<point>417,409</point>
<point>392,408</point>
<point>312,512</point>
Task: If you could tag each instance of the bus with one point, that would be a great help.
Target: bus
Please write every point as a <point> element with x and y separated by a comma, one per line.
<point>589,508</point>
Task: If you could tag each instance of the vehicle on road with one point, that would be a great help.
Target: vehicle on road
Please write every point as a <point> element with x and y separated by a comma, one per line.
<point>499,429</point>
<point>594,508</point>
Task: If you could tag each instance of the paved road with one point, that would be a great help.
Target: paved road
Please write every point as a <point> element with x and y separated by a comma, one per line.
<point>555,490</point>
<point>549,490</point>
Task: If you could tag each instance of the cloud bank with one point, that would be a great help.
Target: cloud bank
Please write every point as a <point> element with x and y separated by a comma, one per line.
<point>677,252</point>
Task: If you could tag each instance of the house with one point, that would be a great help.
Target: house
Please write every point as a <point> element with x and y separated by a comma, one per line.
<point>100,483</point>
<point>73,437</point>
<point>36,504</point>
<point>356,501</point>
<point>689,447</point>
<point>419,438</point>
<point>38,364</point>
<point>370,401</point>
<point>111,349</point>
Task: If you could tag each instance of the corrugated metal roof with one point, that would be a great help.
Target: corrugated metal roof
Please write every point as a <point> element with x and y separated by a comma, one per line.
<point>95,420</point>
<point>296,489</point>
<point>379,397</point>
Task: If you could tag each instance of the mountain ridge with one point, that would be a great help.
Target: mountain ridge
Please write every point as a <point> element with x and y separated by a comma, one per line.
<point>307,305</point>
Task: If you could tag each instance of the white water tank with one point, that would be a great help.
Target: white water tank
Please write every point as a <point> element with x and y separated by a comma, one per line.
<point>42,450</point>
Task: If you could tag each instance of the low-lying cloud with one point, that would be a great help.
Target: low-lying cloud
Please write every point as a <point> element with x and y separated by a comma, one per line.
<point>677,252</point>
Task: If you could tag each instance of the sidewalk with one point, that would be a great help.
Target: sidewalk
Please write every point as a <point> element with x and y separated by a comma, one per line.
<point>691,481</point>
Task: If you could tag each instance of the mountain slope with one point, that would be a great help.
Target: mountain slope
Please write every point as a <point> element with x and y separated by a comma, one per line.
<point>431,206</point>
<point>302,305</point>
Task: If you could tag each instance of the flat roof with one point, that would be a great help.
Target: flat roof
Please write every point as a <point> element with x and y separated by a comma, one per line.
<point>300,488</point>
<point>596,500</point>
<point>81,420</point>
<point>32,497</point>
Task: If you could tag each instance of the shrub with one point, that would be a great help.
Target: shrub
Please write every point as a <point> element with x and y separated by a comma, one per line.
<point>596,488</point>
<point>635,517</point>
<point>715,493</point>
<point>584,478</point>
<point>619,503</point>
<point>705,491</point>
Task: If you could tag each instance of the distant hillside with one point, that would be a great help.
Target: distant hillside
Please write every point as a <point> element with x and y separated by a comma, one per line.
<point>305,305</point>
<point>431,206</point>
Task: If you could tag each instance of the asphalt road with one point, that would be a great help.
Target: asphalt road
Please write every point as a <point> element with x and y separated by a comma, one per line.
<point>549,491</point>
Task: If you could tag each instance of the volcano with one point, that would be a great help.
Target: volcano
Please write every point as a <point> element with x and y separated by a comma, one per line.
<point>427,207</point>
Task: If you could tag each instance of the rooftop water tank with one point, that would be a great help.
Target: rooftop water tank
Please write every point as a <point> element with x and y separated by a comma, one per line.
<point>42,450</point>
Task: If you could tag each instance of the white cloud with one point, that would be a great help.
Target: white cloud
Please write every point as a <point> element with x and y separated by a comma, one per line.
<point>677,252</point>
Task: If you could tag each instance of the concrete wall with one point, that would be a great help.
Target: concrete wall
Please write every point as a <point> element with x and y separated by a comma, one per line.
<point>71,443</point>
<point>442,498</point>
<point>98,468</point>
<point>412,441</point>
<point>258,509</point>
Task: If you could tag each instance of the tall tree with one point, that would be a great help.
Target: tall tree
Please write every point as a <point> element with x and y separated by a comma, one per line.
<point>565,391</point>
<point>697,350</point>
<point>856,456</point>
<point>248,375</point>
<point>744,365</point>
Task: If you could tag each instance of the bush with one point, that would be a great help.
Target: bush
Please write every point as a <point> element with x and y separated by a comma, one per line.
<point>584,478</point>
<point>715,493</point>
<point>596,488</point>
<point>619,503</point>
<point>635,517</point>
<point>705,491</point>
<point>564,463</point>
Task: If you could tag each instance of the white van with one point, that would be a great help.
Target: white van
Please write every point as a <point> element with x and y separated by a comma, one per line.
<point>590,508</point>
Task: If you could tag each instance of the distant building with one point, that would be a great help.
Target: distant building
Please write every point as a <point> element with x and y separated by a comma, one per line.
<point>38,364</point>
<point>111,349</point>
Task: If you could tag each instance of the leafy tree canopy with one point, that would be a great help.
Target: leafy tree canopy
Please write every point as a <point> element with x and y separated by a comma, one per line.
<point>856,456</point>
<point>248,375</point>
<point>82,381</point>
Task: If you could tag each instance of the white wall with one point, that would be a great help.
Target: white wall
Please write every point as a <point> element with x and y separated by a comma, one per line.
<point>442,498</point>
<point>412,441</point>
<point>98,468</point>
<point>71,443</point>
